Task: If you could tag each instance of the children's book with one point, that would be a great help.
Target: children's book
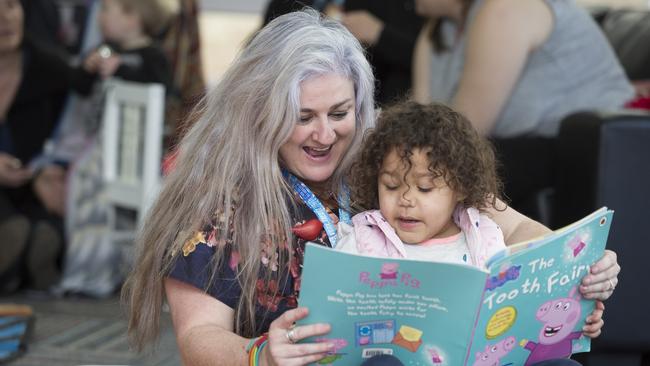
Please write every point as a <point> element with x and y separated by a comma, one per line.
<point>523,309</point>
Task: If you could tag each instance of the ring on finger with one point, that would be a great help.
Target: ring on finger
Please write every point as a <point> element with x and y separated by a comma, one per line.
<point>291,337</point>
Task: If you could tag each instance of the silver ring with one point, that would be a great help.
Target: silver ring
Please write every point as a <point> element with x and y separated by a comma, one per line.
<point>611,285</point>
<point>290,336</point>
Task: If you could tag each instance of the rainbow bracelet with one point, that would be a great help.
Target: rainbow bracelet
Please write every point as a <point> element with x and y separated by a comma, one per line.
<point>254,349</point>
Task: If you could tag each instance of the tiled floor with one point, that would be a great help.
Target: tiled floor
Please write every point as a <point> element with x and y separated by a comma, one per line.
<point>87,331</point>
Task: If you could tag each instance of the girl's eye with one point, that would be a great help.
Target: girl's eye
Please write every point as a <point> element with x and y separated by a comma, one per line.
<point>337,116</point>
<point>425,190</point>
<point>390,187</point>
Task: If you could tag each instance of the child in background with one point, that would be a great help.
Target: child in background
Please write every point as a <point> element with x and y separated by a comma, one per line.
<point>430,174</point>
<point>93,262</point>
<point>129,28</point>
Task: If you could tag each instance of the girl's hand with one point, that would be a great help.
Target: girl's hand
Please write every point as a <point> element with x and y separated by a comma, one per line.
<point>91,62</point>
<point>594,321</point>
<point>109,65</point>
<point>282,351</point>
<point>600,283</point>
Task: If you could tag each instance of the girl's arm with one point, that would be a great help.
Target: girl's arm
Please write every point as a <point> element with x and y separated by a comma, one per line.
<point>499,41</point>
<point>421,66</point>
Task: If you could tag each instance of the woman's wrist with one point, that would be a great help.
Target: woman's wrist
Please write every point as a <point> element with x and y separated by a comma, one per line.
<point>255,348</point>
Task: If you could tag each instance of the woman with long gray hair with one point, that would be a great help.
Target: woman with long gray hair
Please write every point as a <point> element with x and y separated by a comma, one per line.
<point>257,176</point>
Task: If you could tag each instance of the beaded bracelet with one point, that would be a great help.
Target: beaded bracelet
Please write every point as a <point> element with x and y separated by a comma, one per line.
<point>255,347</point>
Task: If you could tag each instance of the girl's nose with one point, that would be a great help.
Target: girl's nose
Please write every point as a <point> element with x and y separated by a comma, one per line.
<point>405,199</point>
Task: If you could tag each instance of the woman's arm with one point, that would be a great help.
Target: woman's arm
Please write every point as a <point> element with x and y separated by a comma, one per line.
<point>499,41</point>
<point>421,66</point>
<point>599,284</point>
<point>204,327</point>
<point>515,226</point>
<point>205,334</point>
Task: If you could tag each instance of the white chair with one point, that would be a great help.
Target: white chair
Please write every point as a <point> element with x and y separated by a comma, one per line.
<point>132,134</point>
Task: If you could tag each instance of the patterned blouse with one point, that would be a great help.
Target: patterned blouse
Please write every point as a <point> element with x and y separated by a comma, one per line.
<point>194,266</point>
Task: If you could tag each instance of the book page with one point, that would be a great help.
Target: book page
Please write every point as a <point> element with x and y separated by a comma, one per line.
<point>421,312</point>
<point>532,309</point>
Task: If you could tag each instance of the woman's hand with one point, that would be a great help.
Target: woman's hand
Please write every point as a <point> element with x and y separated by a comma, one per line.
<point>600,283</point>
<point>12,173</point>
<point>594,321</point>
<point>49,187</point>
<point>282,350</point>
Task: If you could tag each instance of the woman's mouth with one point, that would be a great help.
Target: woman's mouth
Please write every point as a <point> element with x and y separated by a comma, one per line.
<point>317,152</point>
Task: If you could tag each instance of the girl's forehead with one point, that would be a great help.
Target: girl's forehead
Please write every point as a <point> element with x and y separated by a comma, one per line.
<point>415,162</point>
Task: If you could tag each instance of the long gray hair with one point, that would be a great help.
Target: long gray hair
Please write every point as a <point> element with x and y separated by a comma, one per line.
<point>231,155</point>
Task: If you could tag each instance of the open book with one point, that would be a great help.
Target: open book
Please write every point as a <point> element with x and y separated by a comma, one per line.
<point>525,309</point>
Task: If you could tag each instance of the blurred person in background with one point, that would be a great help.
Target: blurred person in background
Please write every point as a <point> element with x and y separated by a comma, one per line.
<point>516,69</point>
<point>387,28</point>
<point>31,201</point>
<point>93,262</point>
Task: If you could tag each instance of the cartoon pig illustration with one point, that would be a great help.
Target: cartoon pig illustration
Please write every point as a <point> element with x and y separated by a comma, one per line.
<point>558,317</point>
<point>334,354</point>
<point>389,271</point>
<point>493,353</point>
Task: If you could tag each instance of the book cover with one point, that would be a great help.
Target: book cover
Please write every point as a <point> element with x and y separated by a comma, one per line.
<point>525,308</point>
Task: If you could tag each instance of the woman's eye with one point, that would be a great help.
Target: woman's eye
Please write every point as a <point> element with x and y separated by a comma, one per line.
<point>390,187</point>
<point>425,189</point>
<point>339,115</point>
<point>305,119</point>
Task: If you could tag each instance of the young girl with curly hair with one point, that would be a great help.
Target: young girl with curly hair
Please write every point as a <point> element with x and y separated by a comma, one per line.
<point>431,176</point>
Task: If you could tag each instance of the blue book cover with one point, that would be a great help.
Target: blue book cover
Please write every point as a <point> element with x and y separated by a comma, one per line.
<point>524,309</point>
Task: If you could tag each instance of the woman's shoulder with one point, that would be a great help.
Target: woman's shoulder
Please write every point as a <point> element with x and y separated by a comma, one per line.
<point>533,17</point>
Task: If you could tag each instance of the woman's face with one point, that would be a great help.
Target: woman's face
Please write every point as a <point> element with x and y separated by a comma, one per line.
<point>11,25</point>
<point>325,129</point>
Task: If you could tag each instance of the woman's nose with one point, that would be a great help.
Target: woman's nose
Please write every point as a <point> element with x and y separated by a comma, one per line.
<point>324,132</point>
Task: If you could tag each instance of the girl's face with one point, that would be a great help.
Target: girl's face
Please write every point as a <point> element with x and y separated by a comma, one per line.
<point>117,24</point>
<point>325,130</point>
<point>11,25</point>
<point>418,206</point>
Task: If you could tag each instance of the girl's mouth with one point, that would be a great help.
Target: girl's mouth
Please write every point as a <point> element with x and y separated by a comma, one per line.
<point>407,222</point>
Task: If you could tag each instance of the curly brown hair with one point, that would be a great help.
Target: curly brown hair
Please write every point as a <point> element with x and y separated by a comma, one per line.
<point>454,149</point>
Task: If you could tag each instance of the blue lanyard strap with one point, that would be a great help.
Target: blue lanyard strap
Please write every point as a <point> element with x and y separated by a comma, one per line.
<point>316,206</point>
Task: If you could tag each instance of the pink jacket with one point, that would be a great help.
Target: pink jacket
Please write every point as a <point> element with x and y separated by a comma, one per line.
<point>372,235</point>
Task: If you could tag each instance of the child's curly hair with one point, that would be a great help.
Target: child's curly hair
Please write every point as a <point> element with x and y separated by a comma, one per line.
<point>454,150</point>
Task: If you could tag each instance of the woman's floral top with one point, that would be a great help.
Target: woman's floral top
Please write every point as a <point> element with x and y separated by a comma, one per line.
<point>275,296</point>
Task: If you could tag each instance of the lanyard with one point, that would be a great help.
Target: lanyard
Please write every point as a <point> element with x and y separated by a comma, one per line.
<point>316,206</point>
